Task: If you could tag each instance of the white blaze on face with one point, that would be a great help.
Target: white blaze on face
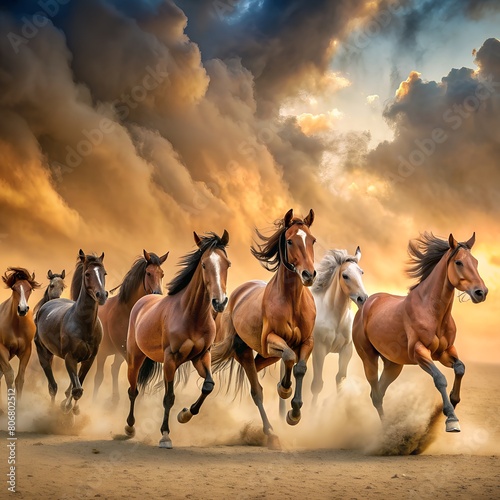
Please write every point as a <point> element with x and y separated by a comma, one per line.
<point>98,276</point>
<point>303,235</point>
<point>215,260</point>
<point>22,302</point>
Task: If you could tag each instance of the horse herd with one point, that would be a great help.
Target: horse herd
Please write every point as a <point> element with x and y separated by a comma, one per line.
<point>258,325</point>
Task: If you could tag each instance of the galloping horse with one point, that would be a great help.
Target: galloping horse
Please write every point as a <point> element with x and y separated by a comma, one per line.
<point>178,327</point>
<point>145,276</point>
<point>53,291</point>
<point>419,328</point>
<point>339,281</point>
<point>275,320</point>
<point>17,328</point>
<point>71,329</point>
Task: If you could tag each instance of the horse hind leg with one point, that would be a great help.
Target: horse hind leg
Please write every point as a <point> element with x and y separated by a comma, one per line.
<point>24,358</point>
<point>450,360</point>
<point>389,374</point>
<point>318,360</point>
<point>345,356</point>
<point>169,368</point>
<point>115,371</point>
<point>202,366</point>
<point>134,362</point>
<point>45,358</point>
<point>99,373</point>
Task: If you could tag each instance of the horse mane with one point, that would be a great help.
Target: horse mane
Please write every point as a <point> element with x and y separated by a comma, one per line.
<point>76,282</point>
<point>190,262</point>
<point>14,274</point>
<point>425,252</point>
<point>268,252</point>
<point>135,276</point>
<point>326,269</point>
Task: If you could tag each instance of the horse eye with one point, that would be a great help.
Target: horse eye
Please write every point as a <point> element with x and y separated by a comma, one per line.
<point>345,276</point>
<point>87,274</point>
<point>148,273</point>
<point>289,242</point>
<point>314,242</point>
<point>459,263</point>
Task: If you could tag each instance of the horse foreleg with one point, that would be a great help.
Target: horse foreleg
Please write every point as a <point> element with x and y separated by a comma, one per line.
<point>389,374</point>
<point>202,366</point>
<point>244,356</point>
<point>23,363</point>
<point>450,359</point>
<point>115,371</point>
<point>75,389</point>
<point>45,358</point>
<point>82,373</point>
<point>299,370</point>
<point>318,360</point>
<point>5,367</point>
<point>345,356</point>
<point>169,368</point>
<point>424,359</point>
<point>277,347</point>
<point>134,362</point>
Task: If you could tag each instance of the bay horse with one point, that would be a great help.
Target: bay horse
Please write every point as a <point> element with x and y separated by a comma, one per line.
<point>145,276</point>
<point>71,329</point>
<point>419,328</point>
<point>17,327</point>
<point>177,328</point>
<point>54,289</point>
<point>276,319</point>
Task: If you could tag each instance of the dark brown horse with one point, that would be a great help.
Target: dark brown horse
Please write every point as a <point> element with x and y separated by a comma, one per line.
<point>54,289</point>
<point>17,328</point>
<point>274,320</point>
<point>178,328</point>
<point>419,328</point>
<point>71,329</point>
<point>145,276</point>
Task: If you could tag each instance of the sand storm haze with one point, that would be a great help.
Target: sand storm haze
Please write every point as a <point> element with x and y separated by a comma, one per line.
<point>126,125</point>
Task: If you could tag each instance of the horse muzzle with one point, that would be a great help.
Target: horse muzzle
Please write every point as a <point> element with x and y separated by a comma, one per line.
<point>219,306</point>
<point>307,277</point>
<point>101,297</point>
<point>22,311</point>
<point>478,295</point>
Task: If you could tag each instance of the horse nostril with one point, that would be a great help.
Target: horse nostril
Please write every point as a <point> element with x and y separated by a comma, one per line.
<point>107,293</point>
<point>314,274</point>
<point>306,275</point>
<point>98,294</point>
<point>215,303</point>
<point>479,292</point>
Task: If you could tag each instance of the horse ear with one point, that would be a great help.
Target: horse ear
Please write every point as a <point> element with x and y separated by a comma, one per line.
<point>33,277</point>
<point>63,274</point>
<point>101,258</point>
<point>309,219</point>
<point>163,258</point>
<point>146,255</point>
<point>49,274</point>
<point>81,255</point>
<point>358,254</point>
<point>225,238</point>
<point>288,217</point>
<point>470,242</point>
<point>453,242</point>
<point>197,239</point>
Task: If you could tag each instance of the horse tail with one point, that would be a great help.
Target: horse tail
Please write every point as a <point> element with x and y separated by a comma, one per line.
<point>76,282</point>
<point>149,375</point>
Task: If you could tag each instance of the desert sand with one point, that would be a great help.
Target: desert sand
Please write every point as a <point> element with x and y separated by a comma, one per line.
<point>339,450</point>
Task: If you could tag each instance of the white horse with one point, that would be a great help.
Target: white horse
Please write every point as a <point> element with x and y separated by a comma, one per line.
<point>339,281</point>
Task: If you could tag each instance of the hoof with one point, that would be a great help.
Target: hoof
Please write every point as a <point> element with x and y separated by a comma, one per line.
<point>77,393</point>
<point>184,416</point>
<point>76,410</point>
<point>291,420</point>
<point>284,393</point>
<point>273,442</point>
<point>452,426</point>
<point>165,442</point>
<point>130,431</point>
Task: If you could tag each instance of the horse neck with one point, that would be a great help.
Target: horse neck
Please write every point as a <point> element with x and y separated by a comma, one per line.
<point>287,284</point>
<point>195,299</point>
<point>85,306</point>
<point>138,293</point>
<point>437,289</point>
<point>336,298</point>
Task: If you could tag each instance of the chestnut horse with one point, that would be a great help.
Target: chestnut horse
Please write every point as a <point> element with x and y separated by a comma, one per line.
<point>419,328</point>
<point>145,276</point>
<point>54,289</point>
<point>17,328</point>
<point>71,329</point>
<point>177,328</point>
<point>275,320</point>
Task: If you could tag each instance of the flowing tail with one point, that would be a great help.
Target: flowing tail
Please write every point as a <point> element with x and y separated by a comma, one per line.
<point>149,375</point>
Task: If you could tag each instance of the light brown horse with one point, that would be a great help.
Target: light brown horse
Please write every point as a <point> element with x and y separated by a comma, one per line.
<point>71,329</point>
<point>178,328</point>
<point>17,327</point>
<point>419,328</point>
<point>275,320</point>
<point>54,289</point>
<point>145,276</point>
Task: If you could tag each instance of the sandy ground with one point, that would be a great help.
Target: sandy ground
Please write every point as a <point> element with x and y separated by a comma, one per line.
<point>339,451</point>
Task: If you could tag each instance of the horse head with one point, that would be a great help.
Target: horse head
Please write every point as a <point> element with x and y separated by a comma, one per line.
<point>56,284</point>
<point>351,281</point>
<point>94,276</point>
<point>153,274</point>
<point>22,284</point>
<point>214,266</point>
<point>462,270</point>
<point>296,247</point>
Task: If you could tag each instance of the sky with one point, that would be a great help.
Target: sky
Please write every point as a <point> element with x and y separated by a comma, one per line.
<point>127,125</point>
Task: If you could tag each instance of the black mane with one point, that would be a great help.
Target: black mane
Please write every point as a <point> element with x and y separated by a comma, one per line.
<point>14,274</point>
<point>191,260</point>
